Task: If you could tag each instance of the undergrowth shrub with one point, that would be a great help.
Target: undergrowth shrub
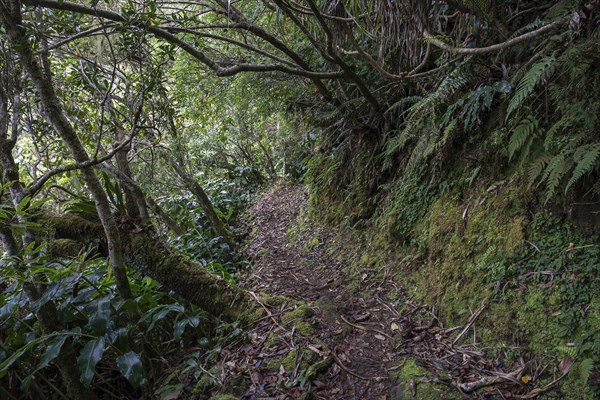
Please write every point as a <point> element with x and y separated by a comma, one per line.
<point>122,345</point>
<point>556,281</point>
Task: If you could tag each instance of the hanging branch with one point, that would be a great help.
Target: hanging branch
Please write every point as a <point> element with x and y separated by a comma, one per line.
<point>495,47</point>
<point>162,33</point>
<point>348,71</point>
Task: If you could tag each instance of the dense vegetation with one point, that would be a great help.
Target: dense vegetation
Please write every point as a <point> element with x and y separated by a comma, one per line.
<point>457,142</point>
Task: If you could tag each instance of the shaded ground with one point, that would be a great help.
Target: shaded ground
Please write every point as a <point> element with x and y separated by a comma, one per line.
<point>356,323</point>
<point>329,333</point>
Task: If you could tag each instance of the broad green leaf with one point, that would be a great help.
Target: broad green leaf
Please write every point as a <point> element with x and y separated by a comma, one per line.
<point>22,204</point>
<point>49,354</point>
<point>179,326</point>
<point>130,365</point>
<point>119,338</point>
<point>89,357</point>
<point>100,314</point>
<point>158,313</point>
<point>5,365</point>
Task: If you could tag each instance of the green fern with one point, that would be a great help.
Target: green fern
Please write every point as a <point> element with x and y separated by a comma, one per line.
<point>537,167</point>
<point>448,134</point>
<point>561,9</point>
<point>567,121</point>
<point>526,129</point>
<point>585,370</point>
<point>557,168</point>
<point>570,351</point>
<point>586,159</point>
<point>538,72</point>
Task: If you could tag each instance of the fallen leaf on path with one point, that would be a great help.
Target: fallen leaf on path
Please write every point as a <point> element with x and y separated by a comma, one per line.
<point>565,365</point>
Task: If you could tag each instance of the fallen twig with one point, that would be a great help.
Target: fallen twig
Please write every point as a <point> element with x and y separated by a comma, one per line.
<point>491,380</point>
<point>468,325</point>
<point>348,370</point>
<point>364,328</point>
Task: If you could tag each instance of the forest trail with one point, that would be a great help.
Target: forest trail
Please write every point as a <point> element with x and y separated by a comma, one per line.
<point>352,315</point>
<point>331,333</point>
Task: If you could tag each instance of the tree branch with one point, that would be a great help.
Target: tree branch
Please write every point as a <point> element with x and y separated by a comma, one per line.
<point>34,188</point>
<point>183,45</point>
<point>86,33</point>
<point>495,47</point>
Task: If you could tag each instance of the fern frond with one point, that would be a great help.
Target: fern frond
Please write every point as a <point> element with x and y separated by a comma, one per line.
<point>575,142</point>
<point>568,350</point>
<point>403,102</point>
<point>559,126</point>
<point>537,166</point>
<point>448,133</point>
<point>527,28</point>
<point>585,370</point>
<point>418,152</point>
<point>561,9</point>
<point>586,159</point>
<point>538,72</point>
<point>522,133</point>
<point>451,83</point>
<point>557,168</point>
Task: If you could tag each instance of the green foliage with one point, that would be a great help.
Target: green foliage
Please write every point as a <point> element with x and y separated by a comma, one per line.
<point>100,327</point>
<point>198,243</point>
<point>557,272</point>
<point>523,133</point>
<point>559,148</point>
<point>539,71</point>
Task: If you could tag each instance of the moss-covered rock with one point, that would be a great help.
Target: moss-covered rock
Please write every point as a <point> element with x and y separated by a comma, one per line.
<point>224,397</point>
<point>306,357</point>
<point>410,371</point>
<point>299,319</point>
<point>206,382</point>
<point>65,248</point>
<point>235,385</point>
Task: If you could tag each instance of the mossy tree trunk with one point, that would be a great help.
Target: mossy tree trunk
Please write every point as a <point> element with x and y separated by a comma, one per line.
<point>40,77</point>
<point>135,201</point>
<point>218,227</point>
<point>151,257</point>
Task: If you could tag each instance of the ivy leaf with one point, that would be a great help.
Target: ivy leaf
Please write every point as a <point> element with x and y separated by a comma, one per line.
<point>130,365</point>
<point>99,315</point>
<point>179,326</point>
<point>89,357</point>
<point>49,354</point>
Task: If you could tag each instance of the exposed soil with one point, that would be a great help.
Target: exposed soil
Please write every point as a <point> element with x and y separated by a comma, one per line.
<point>330,333</point>
<point>356,324</point>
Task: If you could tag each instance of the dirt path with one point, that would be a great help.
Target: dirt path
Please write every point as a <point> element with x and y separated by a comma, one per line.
<point>353,317</point>
<point>332,334</point>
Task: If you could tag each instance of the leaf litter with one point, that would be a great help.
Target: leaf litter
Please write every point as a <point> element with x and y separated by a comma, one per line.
<point>354,340</point>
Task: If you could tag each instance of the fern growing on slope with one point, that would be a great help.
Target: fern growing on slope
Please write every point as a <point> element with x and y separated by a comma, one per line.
<point>586,159</point>
<point>557,133</point>
<point>522,134</point>
<point>538,72</point>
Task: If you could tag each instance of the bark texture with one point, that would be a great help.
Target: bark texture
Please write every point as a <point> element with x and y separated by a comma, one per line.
<point>11,18</point>
<point>151,257</point>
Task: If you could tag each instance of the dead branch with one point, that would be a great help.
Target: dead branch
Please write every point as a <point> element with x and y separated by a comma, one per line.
<point>468,325</point>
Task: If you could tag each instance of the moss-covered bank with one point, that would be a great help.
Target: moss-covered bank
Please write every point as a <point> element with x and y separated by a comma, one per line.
<point>494,243</point>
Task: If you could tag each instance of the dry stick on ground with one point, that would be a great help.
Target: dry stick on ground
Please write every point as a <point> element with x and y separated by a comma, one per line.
<point>491,380</point>
<point>269,313</point>
<point>348,370</point>
<point>468,325</point>
<point>364,328</point>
